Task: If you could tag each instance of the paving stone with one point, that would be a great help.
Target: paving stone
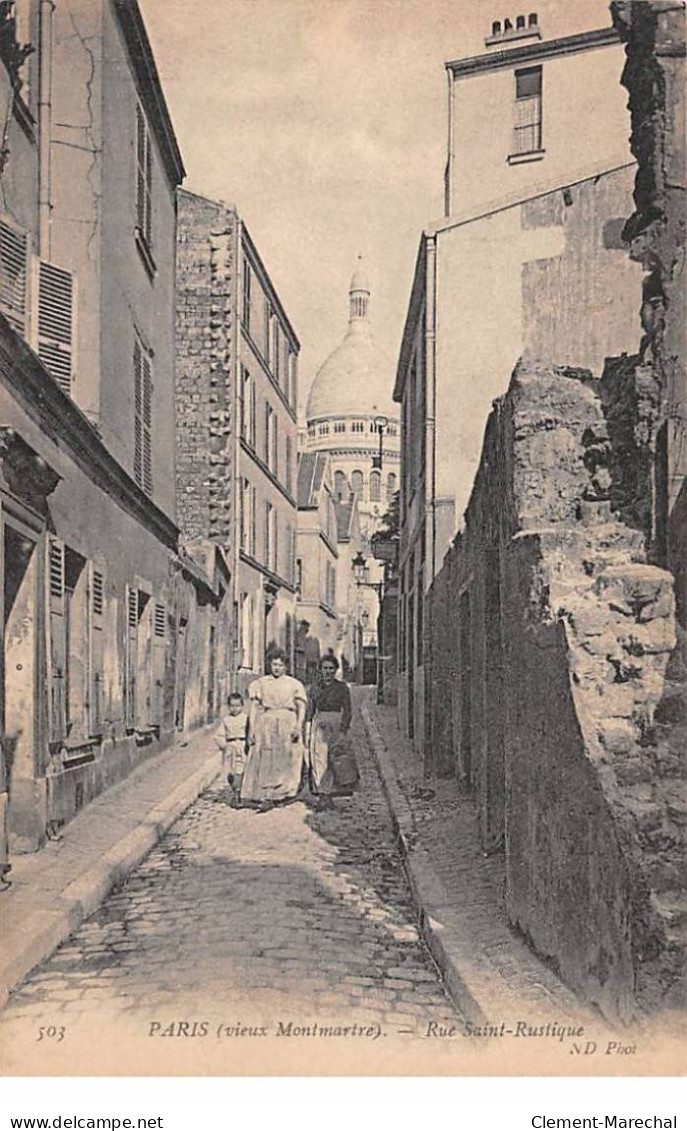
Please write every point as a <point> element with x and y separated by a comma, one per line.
<point>296,911</point>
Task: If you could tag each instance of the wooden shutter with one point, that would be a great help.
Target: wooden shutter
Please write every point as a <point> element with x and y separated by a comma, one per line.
<point>97,670</point>
<point>143,419</point>
<point>57,651</point>
<point>131,670</point>
<point>141,172</point>
<point>253,520</point>
<point>55,307</point>
<point>148,228</point>
<point>253,413</point>
<point>159,661</point>
<point>13,275</point>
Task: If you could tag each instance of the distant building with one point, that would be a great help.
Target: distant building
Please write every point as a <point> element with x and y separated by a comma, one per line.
<point>349,399</point>
<point>111,637</point>
<point>317,555</point>
<point>507,276</point>
<point>236,397</point>
<point>525,112</point>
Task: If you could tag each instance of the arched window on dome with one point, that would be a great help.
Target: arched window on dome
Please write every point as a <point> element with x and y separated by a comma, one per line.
<point>390,486</point>
<point>339,425</point>
<point>357,483</point>
<point>357,426</point>
<point>340,484</point>
<point>324,429</point>
<point>375,486</point>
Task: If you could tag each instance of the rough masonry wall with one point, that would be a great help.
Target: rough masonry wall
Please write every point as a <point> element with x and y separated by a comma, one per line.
<point>654,76</point>
<point>558,653</point>
<point>205,378</point>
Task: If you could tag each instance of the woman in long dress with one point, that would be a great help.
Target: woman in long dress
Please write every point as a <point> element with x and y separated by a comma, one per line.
<point>333,769</point>
<point>275,736</point>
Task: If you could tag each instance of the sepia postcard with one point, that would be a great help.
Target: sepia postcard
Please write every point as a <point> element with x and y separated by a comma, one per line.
<point>343,538</point>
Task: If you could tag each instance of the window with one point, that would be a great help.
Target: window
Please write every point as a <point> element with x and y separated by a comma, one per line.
<point>247,280</point>
<point>247,517</point>
<point>288,459</point>
<point>375,486</point>
<point>247,396</point>
<point>144,182</point>
<point>357,426</point>
<point>299,575</point>
<point>340,484</point>
<point>390,486</point>
<point>292,393</point>
<point>527,137</point>
<point>271,439</point>
<point>339,426</point>
<point>330,583</point>
<point>357,483</point>
<point>275,349</point>
<point>324,429</point>
<point>143,419</point>
<point>270,537</point>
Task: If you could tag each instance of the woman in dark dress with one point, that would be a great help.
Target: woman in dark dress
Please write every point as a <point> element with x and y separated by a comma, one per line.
<point>333,769</point>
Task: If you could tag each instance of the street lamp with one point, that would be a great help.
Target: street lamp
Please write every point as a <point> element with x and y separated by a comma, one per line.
<point>381,423</point>
<point>359,564</point>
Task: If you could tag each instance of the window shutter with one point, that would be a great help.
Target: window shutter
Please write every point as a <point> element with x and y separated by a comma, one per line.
<point>253,412</point>
<point>253,521</point>
<point>159,661</point>
<point>55,309</point>
<point>132,612</point>
<point>57,650</point>
<point>148,227</point>
<point>140,171</point>
<point>97,672</point>
<point>143,419</point>
<point>13,275</point>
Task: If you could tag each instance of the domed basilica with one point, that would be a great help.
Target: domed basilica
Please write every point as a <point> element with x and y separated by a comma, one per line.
<point>349,399</point>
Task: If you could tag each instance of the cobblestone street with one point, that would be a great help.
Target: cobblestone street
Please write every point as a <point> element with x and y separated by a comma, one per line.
<point>289,915</point>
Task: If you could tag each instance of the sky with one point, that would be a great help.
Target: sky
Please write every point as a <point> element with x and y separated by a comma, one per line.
<point>325,123</point>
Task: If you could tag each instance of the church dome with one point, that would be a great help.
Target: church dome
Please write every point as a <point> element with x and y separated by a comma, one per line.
<point>353,380</point>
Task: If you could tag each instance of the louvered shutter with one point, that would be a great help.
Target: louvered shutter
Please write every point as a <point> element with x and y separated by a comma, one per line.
<point>130,689</point>
<point>159,661</point>
<point>253,413</point>
<point>97,671</point>
<point>253,521</point>
<point>140,172</point>
<point>13,275</point>
<point>147,426</point>
<point>55,309</point>
<point>148,228</point>
<point>57,651</point>
<point>143,419</point>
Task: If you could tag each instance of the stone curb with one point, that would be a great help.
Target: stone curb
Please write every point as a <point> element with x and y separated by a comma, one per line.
<point>46,929</point>
<point>427,889</point>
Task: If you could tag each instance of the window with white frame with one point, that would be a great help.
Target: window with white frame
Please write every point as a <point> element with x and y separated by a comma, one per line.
<point>527,132</point>
<point>375,486</point>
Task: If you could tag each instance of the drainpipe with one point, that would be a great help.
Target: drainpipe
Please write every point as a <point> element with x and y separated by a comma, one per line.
<point>47,8</point>
<point>430,481</point>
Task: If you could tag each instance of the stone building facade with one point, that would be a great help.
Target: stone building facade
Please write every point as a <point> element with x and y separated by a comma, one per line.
<point>111,636</point>
<point>317,558</point>
<point>237,391</point>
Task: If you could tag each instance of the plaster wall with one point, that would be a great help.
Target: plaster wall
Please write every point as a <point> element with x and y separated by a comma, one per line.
<point>575,136</point>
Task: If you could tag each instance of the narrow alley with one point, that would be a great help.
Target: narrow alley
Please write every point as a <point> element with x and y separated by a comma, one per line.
<point>248,920</point>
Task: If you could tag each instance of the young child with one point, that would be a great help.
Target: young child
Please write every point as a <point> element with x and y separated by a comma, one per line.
<point>231,738</point>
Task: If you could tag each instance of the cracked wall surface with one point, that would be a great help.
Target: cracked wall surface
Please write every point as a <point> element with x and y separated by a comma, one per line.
<point>554,665</point>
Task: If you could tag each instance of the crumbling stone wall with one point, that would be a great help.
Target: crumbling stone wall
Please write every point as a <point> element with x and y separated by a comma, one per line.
<point>205,381</point>
<point>554,673</point>
<point>654,75</point>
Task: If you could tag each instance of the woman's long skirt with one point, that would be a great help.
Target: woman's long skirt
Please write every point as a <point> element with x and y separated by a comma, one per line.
<point>332,763</point>
<point>275,762</point>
